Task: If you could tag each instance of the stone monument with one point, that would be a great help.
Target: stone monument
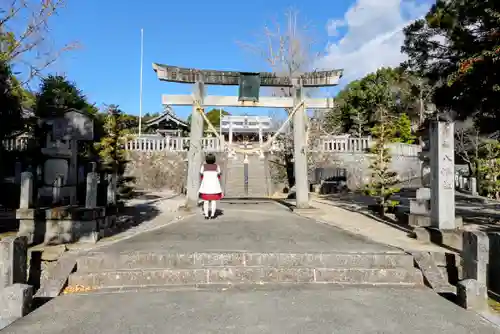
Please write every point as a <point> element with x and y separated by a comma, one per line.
<point>441,225</point>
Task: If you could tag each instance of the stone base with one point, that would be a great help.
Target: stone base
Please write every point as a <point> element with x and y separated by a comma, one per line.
<point>419,220</point>
<point>472,295</point>
<point>15,301</point>
<point>420,206</point>
<point>62,225</point>
<point>448,238</point>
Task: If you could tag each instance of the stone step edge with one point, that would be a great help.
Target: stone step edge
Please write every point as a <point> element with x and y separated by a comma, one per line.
<point>221,267</point>
<point>231,259</point>
<point>229,252</point>
<point>208,276</point>
<point>239,286</point>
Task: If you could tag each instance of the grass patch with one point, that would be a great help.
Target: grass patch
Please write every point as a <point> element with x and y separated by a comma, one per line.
<point>494,305</point>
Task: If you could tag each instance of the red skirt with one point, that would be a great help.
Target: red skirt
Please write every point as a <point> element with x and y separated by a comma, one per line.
<point>211,197</point>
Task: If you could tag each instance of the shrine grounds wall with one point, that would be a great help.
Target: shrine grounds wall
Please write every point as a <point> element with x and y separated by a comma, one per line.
<point>156,170</point>
<point>357,165</point>
<point>160,170</point>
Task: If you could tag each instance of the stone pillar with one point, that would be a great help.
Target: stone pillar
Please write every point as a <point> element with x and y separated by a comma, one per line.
<point>13,260</point>
<point>442,159</point>
<point>261,138</point>
<point>230,132</point>
<point>195,153</point>
<point>111,191</point>
<point>56,190</point>
<point>17,172</point>
<point>73,171</point>
<point>472,291</point>
<point>300,152</point>
<point>473,186</point>
<point>26,197</point>
<point>91,189</point>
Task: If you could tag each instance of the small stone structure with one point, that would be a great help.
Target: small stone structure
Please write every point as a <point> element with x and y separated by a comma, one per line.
<point>15,294</point>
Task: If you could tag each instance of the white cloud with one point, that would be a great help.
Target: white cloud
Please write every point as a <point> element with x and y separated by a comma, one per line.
<point>373,36</point>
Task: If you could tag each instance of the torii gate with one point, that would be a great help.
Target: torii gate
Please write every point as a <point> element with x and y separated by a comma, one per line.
<point>249,87</point>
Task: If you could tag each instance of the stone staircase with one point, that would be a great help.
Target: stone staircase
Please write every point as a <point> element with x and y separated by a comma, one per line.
<point>257,178</point>
<point>132,270</point>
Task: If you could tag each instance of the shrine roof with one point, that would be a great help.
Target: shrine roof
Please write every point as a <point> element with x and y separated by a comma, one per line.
<point>167,115</point>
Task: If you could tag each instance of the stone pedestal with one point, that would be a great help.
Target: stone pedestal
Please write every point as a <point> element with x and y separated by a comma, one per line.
<point>420,209</point>
<point>62,225</point>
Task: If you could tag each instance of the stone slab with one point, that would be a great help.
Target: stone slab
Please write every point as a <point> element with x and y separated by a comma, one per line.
<point>432,274</point>
<point>57,277</point>
<point>343,310</point>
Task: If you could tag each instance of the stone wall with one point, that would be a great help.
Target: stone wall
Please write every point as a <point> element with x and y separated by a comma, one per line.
<point>158,170</point>
<point>356,164</point>
<point>168,170</point>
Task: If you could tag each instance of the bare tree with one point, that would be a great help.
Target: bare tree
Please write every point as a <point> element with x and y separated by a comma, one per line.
<point>288,51</point>
<point>25,36</point>
<point>468,141</point>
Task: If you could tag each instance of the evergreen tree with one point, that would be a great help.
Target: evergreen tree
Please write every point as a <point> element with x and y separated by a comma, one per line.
<point>382,178</point>
<point>111,149</point>
<point>11,104</point>
<point>489,168</point>
<point>403,133</point>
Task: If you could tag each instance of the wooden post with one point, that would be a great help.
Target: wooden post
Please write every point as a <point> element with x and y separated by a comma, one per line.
<point>195,153</point>
<point>300,152</point>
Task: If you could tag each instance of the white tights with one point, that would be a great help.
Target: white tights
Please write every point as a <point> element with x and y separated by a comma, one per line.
<point>205,208</point>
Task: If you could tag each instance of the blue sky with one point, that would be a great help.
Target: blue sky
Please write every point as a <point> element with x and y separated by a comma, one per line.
<point>205,34</point>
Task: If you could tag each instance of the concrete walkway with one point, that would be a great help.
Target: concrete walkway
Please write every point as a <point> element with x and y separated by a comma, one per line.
<point>262,227</point>
<point>253,227</point>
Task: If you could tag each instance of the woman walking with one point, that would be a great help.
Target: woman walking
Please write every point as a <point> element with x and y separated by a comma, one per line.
<point>210,188</point>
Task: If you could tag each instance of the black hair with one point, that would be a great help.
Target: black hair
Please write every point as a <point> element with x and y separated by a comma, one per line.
<point>210,158</point>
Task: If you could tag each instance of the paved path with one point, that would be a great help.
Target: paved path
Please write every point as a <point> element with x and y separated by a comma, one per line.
<point>323,310</point>
<point>253,227</point>
<point>258,227</point>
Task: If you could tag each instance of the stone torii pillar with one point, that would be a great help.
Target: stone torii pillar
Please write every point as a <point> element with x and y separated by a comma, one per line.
<point>195,153</point>
<point>300,151</point>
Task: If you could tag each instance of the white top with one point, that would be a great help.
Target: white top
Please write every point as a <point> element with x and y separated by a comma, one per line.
<point>210,183</point>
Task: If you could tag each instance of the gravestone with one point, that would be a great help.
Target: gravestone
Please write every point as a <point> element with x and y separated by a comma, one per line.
<point>62,156</point>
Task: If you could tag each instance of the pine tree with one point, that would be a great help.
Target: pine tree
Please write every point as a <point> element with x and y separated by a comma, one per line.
<point>403,130</point>
<point>111,150</point>
<point>382,178</point>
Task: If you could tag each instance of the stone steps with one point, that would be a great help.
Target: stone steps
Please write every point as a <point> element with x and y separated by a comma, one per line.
<point>140,269</point>
<point>142,260</point>
<point>245,275</point>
